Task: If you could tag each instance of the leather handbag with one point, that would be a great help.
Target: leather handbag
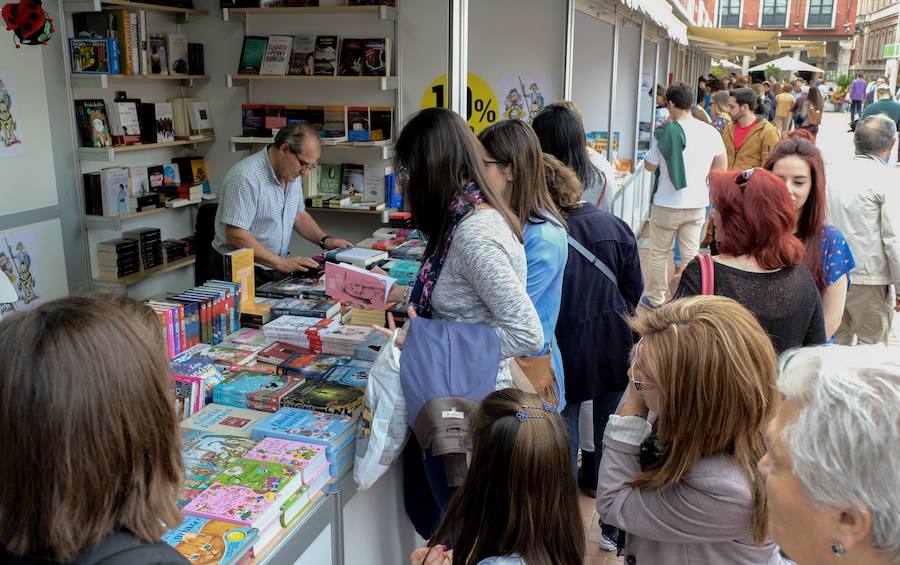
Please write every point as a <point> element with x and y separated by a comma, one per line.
<point>535,374</point>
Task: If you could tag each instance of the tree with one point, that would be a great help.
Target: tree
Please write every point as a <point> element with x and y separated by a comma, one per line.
<point>773,70</point>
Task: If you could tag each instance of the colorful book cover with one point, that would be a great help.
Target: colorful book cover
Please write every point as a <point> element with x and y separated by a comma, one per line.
<point>347,375</point>
<point>299,424</point>
<point>252,54</point>
<point>240,263</point>
<point>279,352</point>
<point>198,475</point>
<point>324,396</point>
<point>259,391</point>
<point>348,283</point>
<point>326,55</point>
<point>261,476</point>
<point>212,542</point>
<point>236,504</point>
<point>224,420</point>
<point>308,457</point>
<point>233,354</point>
<point>311,365</point>
<point>329,179</point>
<point>214,449</point>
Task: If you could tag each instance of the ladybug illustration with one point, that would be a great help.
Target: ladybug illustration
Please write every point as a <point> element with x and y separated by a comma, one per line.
<point>29,22</point>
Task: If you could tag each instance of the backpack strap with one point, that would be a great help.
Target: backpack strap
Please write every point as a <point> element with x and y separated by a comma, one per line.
<point>593,260</point>
<point>123,548</point>
<point>707,274</point>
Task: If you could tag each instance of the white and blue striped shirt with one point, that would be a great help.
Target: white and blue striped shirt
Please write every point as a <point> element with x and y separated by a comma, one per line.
<point>252,199</point>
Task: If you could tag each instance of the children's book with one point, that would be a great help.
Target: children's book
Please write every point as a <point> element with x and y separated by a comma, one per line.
<point>324,396</point>
<point>233,354</point>
<point>213,542</point>
<point>258,391</point>
<point>348,283</point>
<point>235,504</point>
<point>309,457</point>
<point>279,352</point>
<point>198,475</point>
<point>331,431</point>
<point>214,449</point>
<point>224,420</point>
<point>348,375</point>
<point>261,476</point>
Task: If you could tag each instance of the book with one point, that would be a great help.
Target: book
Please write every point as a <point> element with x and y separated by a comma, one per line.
<point>159,60</point>
<point>349,283</point>
<point>198,475</point>
<point>214,449</point>
<point>302,61</point>
<point>370,347</point>
<point>330,178</point>
<point>165,130</point>
<point>308,457</point>
<point>211,541</point>
<point>200,118</point>
<point>125,122</point>
<point>236,504</point>
<point>224,420</point>
<point>312,308</point>
<point>142,53</point>
<point>252,54</point>
<point>171,175</point>
<point>326,55</point>
<point>352,179</point>
<point>239,268</point>
<point>262,476</point>
<point>140,182</point>
<point>377,57</point>
<point>358,123</point>
<point>293,287</point>
<point>324,396</point>
<point>114,183</point>
<point>250,389</point>
<point>315,117</point>
<point>334,127</point>
<point>351,57</point>
<point>200,174</point>
<point>233,354</point>
<point>279,352</point>
<point>157,176</point>
<point>196,62</point>
<point>181,121</point>
<point>98,55</point>
<point>277,57</point>
<point>119,26</point>
<point>359,257</point>
<point>253,119</point>
<point>331,431</point>
<point>381,123</point>
<point>177,53</point>
<point>348,375</point>
<point>276,117</point>
<point>311,365</point>
<point>295,114</point>
<point>93,123</point>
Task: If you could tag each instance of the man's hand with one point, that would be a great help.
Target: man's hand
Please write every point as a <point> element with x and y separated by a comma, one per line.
<point>335,243</point>
<point>397,293</point>
<point>296,263</point>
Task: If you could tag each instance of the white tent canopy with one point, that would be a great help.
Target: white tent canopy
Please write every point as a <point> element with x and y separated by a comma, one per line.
<point>788,63</point>
<point>725,64</point>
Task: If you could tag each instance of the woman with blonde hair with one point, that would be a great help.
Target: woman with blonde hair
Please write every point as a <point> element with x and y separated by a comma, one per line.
<point>706,368</point>
<point>719,110</point>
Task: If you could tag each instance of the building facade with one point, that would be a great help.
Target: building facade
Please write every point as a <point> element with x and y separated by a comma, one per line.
<point>876,26</point>
<point>831,21</point>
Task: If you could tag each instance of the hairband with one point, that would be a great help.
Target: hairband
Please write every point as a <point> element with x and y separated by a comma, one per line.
<point>522,415</point>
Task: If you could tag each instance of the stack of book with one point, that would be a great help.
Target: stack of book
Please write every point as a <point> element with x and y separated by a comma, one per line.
<point>294,329</point>
<point>278,352</point>
<point>293,287</point>
<point>149,245</point>
<point>305,307</point>
<point>370,347</point>
<point>343,340</point>
<point>250,389</point>
<point>117,258</point>
<point>175,249</point>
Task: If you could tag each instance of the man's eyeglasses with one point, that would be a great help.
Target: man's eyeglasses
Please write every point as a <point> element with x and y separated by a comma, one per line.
<point>303,164</point>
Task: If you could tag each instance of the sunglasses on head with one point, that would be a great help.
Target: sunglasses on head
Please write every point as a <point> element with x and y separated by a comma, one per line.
<point>743,176</point>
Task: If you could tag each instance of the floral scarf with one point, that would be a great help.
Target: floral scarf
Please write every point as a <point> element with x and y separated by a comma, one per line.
<point>428,275</point>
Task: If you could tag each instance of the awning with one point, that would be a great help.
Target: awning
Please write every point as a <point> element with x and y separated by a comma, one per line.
<point>660,11</point>
<point>812,48</point>
<point>725,64</point>
<point>788,63</point>
<point>726,42</point>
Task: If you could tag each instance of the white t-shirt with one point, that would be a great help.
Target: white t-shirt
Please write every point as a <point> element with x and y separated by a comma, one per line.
<point>592,193</point>
<point>702,144</point>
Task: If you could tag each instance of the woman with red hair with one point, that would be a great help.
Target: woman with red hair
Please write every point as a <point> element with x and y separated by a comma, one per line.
<point>760,261</point>
<point>799,164</point>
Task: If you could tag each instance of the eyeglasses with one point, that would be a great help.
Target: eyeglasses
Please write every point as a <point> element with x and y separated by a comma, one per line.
<point>303,164</point>
<point>743,176</point>
<point>498,163</point>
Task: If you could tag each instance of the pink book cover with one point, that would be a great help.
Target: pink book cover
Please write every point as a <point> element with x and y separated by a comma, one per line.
<point>231,503</point>
<point>198,399</point>
<point>307,456</point>
<point>347,283</point>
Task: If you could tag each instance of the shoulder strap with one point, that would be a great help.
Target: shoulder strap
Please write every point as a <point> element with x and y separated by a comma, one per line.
<point>707,274</point>
<point>123,548</point>
<point>593,260</point>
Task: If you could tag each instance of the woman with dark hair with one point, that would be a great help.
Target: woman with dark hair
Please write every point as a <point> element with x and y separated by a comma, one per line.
<point>517,505</point>
<point>760,262</point>
<point>514,167</point>
<point>799,164</point>
<point>808,111</point>
<point>561,133</point>
<point>91,475</point>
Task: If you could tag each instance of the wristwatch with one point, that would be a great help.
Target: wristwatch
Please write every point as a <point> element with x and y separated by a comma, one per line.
<point>322,241</point>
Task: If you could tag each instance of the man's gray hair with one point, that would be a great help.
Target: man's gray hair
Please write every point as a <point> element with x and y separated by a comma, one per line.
<point>874,135</point>
<point>295,136</point>
<point>845,439</point>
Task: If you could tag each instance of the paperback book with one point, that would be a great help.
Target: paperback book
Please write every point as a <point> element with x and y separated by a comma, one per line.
<point>278,52</point>
<point>326,55</point>
<point>325,396</point>
<point>331,431</point>
<point>302,60</point>
<point>252,54</point>
<point>213,542</point>
<point>348,283</point>
<point>224,420</point>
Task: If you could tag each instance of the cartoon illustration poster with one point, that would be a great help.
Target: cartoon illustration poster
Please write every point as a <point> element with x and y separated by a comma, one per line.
<point>523,96</point>
<point>10,130</point>
<point>18,264</point>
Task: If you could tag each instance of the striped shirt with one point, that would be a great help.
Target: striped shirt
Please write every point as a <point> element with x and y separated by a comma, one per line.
<point>252,199</point>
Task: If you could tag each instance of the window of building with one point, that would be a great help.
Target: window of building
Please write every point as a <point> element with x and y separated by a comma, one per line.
<point>729,13</point>
<point>820,12</point>
<point>774,13</point>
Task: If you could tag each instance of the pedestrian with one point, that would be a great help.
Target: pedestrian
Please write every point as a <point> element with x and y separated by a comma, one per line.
<point>870,90</point>
<point>593,333</point>
<point>885,105</point>
<point>706,369</point>
<point>719,108</point>
<point>832,472</point>
<point>783,104</point>
<point>760,262</point>
<point>857,96</point>
<point>811,107</point>
<point>748,140</point>
<point>680,194</point>
<point>799,164</point>
<point>763,106</point>
<point>864,204</point>
<point>560,129</point>
<point>514,167</point>
<point>517,506</point>
<point>661,112</point>
<point>769,91</point>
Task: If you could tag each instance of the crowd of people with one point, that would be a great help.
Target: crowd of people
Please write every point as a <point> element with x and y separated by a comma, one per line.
<point>713,420</point>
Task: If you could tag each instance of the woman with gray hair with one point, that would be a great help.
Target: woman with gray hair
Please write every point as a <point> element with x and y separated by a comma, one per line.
<point>832,468</point>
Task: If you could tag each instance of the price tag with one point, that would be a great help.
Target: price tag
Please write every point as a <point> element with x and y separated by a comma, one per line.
<point>481,103</point>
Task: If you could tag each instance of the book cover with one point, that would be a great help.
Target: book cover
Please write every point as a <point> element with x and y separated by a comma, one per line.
<point>198,171</point>
<point>200,118</point>
<point>177,53</point>
<point>165,129</point>
<point>358,123</point>
<point>198,475</point>
<point>240,269</point>
<point>381,123</point>
<point>157,177</point>
<point>93,123</point>
<point>253,119</point>
<point>324,396</point>
<point>334,127</point>
<point>303,60</point>
<point>349,283</point>
<point>376,55</point>
<point>276,117</point>
<point>328,430</point>
<point>159,60</point>
<point>359,257</point>
<point>92,56</point>
<point>236,504</point>
<point>326,55</point>
<point>277,56</point>
<point>250,389</point>
<point>279,352</point>
<point>348,375</point>
<point>295,114</point>
<point>351,57</point>
<point>308,457</point>
<point>352,179</point>
<point>212,542</point>
<point>313,366</point>
<point>126,125</point>
<point>224,420</point>
<point>233,354</point>
<point>171,176</point>
<point>329,179</point>
<point>252,54</point>
<point>114,191</point>
<point>214,449</point>
<point>259,475</point>
<point>140,182</point>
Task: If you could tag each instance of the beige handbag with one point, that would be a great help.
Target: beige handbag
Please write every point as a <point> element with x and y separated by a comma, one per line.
<point>534,375</point>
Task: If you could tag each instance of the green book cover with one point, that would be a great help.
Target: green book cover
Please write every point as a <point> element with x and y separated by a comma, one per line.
<point>261,476</point>
<point>329,179</point>
<point>252,54</point>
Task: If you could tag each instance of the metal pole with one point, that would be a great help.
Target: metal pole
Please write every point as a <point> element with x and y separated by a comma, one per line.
<point>612,87</point>
<point>570,49</point>
<point>459,57</point>
<point>637,118</point>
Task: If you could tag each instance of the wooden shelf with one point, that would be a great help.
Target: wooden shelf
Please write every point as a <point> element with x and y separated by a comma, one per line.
<point>243,143</point>
<point>97,5</point>
<point>384,83</point>
<point>101,80</point>
<point>138,277</point>
<point>382,12</point>
<point>110,153</point>
<point>115,222</point>
<point>352,211</point>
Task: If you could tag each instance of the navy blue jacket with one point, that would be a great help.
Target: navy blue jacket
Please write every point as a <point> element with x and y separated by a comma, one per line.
<point>593,336</point>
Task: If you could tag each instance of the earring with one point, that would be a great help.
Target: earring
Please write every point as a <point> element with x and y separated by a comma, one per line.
<point>509,179</point>
<point>837,548</point>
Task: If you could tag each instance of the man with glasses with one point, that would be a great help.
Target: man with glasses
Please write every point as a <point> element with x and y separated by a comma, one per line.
<point>261,204</point>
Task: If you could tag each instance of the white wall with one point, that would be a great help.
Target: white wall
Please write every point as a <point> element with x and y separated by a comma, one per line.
<point>627,85</point>
<point>592,66</point>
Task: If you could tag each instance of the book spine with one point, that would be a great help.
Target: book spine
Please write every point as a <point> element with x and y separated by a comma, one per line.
<point>133,43</point>
<point>142,46</point>
<point>170,334</point>
<point>184,338</point>
<point>112,47</point>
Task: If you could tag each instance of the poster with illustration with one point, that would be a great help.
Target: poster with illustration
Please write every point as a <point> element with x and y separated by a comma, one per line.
<point>17,263</point>
<point>524,96</point>
<point>10,130</point>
